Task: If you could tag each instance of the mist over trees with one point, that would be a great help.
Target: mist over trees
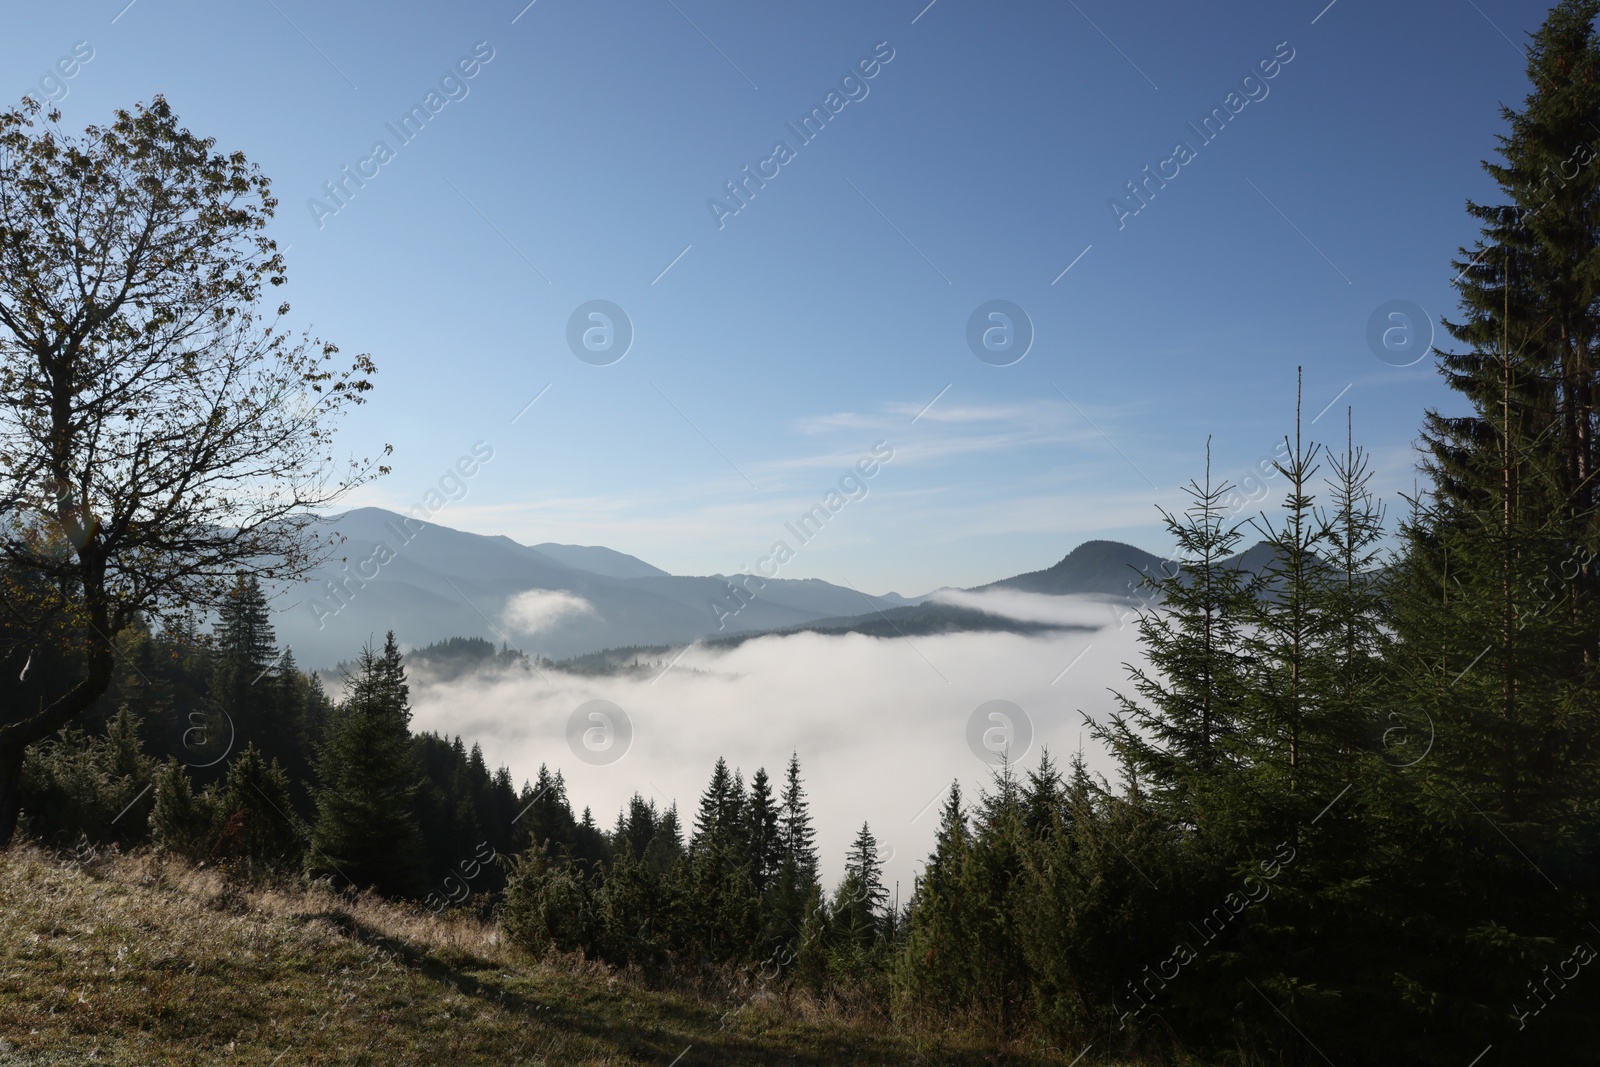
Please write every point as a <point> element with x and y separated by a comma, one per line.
<point>1356,811</point>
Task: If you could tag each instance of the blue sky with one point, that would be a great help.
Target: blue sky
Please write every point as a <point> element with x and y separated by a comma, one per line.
<point>772,352</point>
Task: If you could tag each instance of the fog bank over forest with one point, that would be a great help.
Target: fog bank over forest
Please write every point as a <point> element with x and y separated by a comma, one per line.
<point>881,725</point>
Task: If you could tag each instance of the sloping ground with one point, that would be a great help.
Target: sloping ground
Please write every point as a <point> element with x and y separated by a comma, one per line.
<point>132,960</point>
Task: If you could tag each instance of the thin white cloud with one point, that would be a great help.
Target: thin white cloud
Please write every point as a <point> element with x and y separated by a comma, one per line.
<point>537,610</point>
<point>1034,474</point>
<point>898,414</point>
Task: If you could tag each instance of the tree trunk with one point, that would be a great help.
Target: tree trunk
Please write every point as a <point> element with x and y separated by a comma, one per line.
<point>11,754</point>
<point>17,736</point>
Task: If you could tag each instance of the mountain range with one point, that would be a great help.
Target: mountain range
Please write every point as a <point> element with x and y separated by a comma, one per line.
<point>429,582</point>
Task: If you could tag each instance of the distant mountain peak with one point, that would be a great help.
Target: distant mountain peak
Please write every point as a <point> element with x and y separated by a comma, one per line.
<point>1102,568</point>
<point>428,582</point>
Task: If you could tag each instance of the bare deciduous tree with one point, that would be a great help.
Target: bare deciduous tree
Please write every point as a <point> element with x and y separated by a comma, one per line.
<point>160,433</point>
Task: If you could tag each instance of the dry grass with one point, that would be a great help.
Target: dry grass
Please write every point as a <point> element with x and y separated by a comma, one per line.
<point>139,960</point>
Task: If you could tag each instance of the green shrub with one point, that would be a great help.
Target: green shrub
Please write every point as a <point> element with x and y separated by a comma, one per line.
<point>76,786</point>
<point>246,825</point>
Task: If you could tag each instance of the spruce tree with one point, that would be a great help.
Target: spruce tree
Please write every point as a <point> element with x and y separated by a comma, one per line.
<point>727,924</point>
<point>1496,605</point>
<point>636,826</point>
<point>366,832</point>
<point>76,786</point>
<point>996,888</point>
<point>1301,783</point>
<point>1043,799</point>
<point>259,831</point>
<point>182,821</point>
<point>1173,737</point>
<point>796,891</point>
<point>668,841</point>
<point>862,861</point>
<point>1102,901</point>
<point>717,822</point>
<point>289,738</point>
<point>550,903</point>
<point>245,680</point>
<point>854,935</point>
<point>589,843</point>
<point>546,815</point>
<point>1528,290</point>
<point>763,844</point>
<point>798,837</point>
<point>1348,594</point>
<point>1283,738</point>
<point>934,972</point>
<point>638,911</point>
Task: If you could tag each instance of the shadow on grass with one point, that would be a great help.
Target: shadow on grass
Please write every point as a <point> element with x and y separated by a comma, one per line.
<point>678,1033</point>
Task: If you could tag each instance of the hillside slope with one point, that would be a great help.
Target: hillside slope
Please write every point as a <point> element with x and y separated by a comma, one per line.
<point>132,960</point>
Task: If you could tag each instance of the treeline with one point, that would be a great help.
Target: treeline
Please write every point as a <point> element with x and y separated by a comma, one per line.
<point>219,747</point>
<point>222,751</point>
<point>1349,823</point>
<point>743,890</point>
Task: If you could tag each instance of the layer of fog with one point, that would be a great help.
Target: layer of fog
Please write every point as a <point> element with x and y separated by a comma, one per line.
<point>1039,607</point>
<point>881,725</point>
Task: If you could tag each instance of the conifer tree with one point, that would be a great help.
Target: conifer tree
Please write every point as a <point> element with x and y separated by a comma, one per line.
<point>1174,739</point>
<point>550,903</point>
<point>259,830</point>
<point>245,679</point>
<point>589,843</point>
<point>1348,593</point>
<point>862,861</point>
<point>1528,291</point>
<point>77,785</point>
<point>717,823</point>
<point>636,826</point>
<point>1496,597</point>
<point>763,844</point>
<point>546,812</point>
<point>1043,799</point>
<point>1281,736</point>
<point>796,890</point>
<point>366,832</point>
<point>669,834</point>
<point>1103,900</point>
<point>728,921</point>
<point>182,821</point>
<point>935,970</point>
<point>798,836</point>
<point>638,910</point>
<point>317,710</point>
<point>854,934</point>
<point>996,889</point>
